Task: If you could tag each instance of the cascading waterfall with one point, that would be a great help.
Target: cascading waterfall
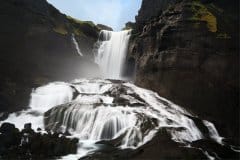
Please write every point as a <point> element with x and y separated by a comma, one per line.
<point>96,110</point>
<point>108,110</point>
<point>76,45</point>
<point>111,53</point>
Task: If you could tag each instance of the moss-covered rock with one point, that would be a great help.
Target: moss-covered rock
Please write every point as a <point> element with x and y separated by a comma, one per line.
<point>201,13</point>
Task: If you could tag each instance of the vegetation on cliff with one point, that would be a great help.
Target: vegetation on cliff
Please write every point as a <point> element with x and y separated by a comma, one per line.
<point>201,13</point>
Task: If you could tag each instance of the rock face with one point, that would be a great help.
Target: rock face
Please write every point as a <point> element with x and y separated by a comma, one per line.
<point>188,52</point>
<point>36,47</point>
<point>150,9</point>
<point>28,144</point>
<point>104,27</point>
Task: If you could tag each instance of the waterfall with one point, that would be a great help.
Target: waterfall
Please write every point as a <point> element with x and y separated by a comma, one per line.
<point>95,110</point>
<point>113,111</point>
<point>106,110</point>
<point>111,53</point>
<point>76,45</point>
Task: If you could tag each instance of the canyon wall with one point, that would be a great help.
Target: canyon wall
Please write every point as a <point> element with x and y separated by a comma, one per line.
<point>188,52</point>
<point>37,47</point>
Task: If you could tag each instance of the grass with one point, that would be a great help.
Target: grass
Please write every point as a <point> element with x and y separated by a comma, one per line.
<point>81,22</point>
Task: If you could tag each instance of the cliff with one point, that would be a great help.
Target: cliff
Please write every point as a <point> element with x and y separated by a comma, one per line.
<point>37,47</point>
<point>188,52</point>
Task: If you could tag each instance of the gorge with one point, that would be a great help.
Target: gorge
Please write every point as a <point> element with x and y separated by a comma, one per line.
<point>100,93</point>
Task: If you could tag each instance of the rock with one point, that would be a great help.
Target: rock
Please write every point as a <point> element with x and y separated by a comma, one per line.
<point>104,27</point>
<point>75,92</point>
<point>3,116</point>
<point>37,48</point>
<point>215,149</point>
<point>129,25</point>
<point>170,150</point>
<point>7,128</point>
<point>160,148</point>
<point>199,123</point>
<point>121,101</point>
<point>10,138</point>
<point>28,128</point>
<point>150,9</point>
<point>191,60</point>
<point>30,145</point>
<point>86,34</point>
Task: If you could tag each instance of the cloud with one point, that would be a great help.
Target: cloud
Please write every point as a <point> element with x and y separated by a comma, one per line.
<point>113,13</point>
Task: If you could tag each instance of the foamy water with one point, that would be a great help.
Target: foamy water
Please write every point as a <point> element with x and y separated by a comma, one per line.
<point>94,116</point>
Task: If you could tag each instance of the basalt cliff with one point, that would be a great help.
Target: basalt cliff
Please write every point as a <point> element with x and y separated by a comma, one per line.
<point>188,52</point>
<point>37,47</point>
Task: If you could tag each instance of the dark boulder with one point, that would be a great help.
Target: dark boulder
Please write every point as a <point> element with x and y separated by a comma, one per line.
<point>216,150</point>
<point>28,144</point>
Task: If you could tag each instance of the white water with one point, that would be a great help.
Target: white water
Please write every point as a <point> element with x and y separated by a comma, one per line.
<point>112,53</point>
<point>76,45</point>
<point>213,133</point>
<point>94,115</point>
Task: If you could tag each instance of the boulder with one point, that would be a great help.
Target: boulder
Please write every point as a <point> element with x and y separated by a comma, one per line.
<point>28,144</point>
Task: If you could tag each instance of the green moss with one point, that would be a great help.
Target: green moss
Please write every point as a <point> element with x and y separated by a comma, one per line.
<point>81,22</point>
<point>61,30</point>
<point>201,13</point>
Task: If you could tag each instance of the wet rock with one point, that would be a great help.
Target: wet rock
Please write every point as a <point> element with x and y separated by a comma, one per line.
<point>75,92</point>
<point>199,123</point>
<point>216,150</point>
<point>28,128</point>
<point>3,116</point>
<point>10,137</point>
<point>160,148</point>
<point>30,145</point>
<point>7,128</point>
<point>121,100</point>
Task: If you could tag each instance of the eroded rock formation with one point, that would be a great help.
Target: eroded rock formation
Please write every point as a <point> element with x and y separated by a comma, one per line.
<point>188,52</point>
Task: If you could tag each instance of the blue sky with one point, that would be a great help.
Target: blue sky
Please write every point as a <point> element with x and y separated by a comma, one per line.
<point>114,13</point>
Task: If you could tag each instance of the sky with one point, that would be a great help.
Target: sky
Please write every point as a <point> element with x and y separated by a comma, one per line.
<point>113,13</point>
